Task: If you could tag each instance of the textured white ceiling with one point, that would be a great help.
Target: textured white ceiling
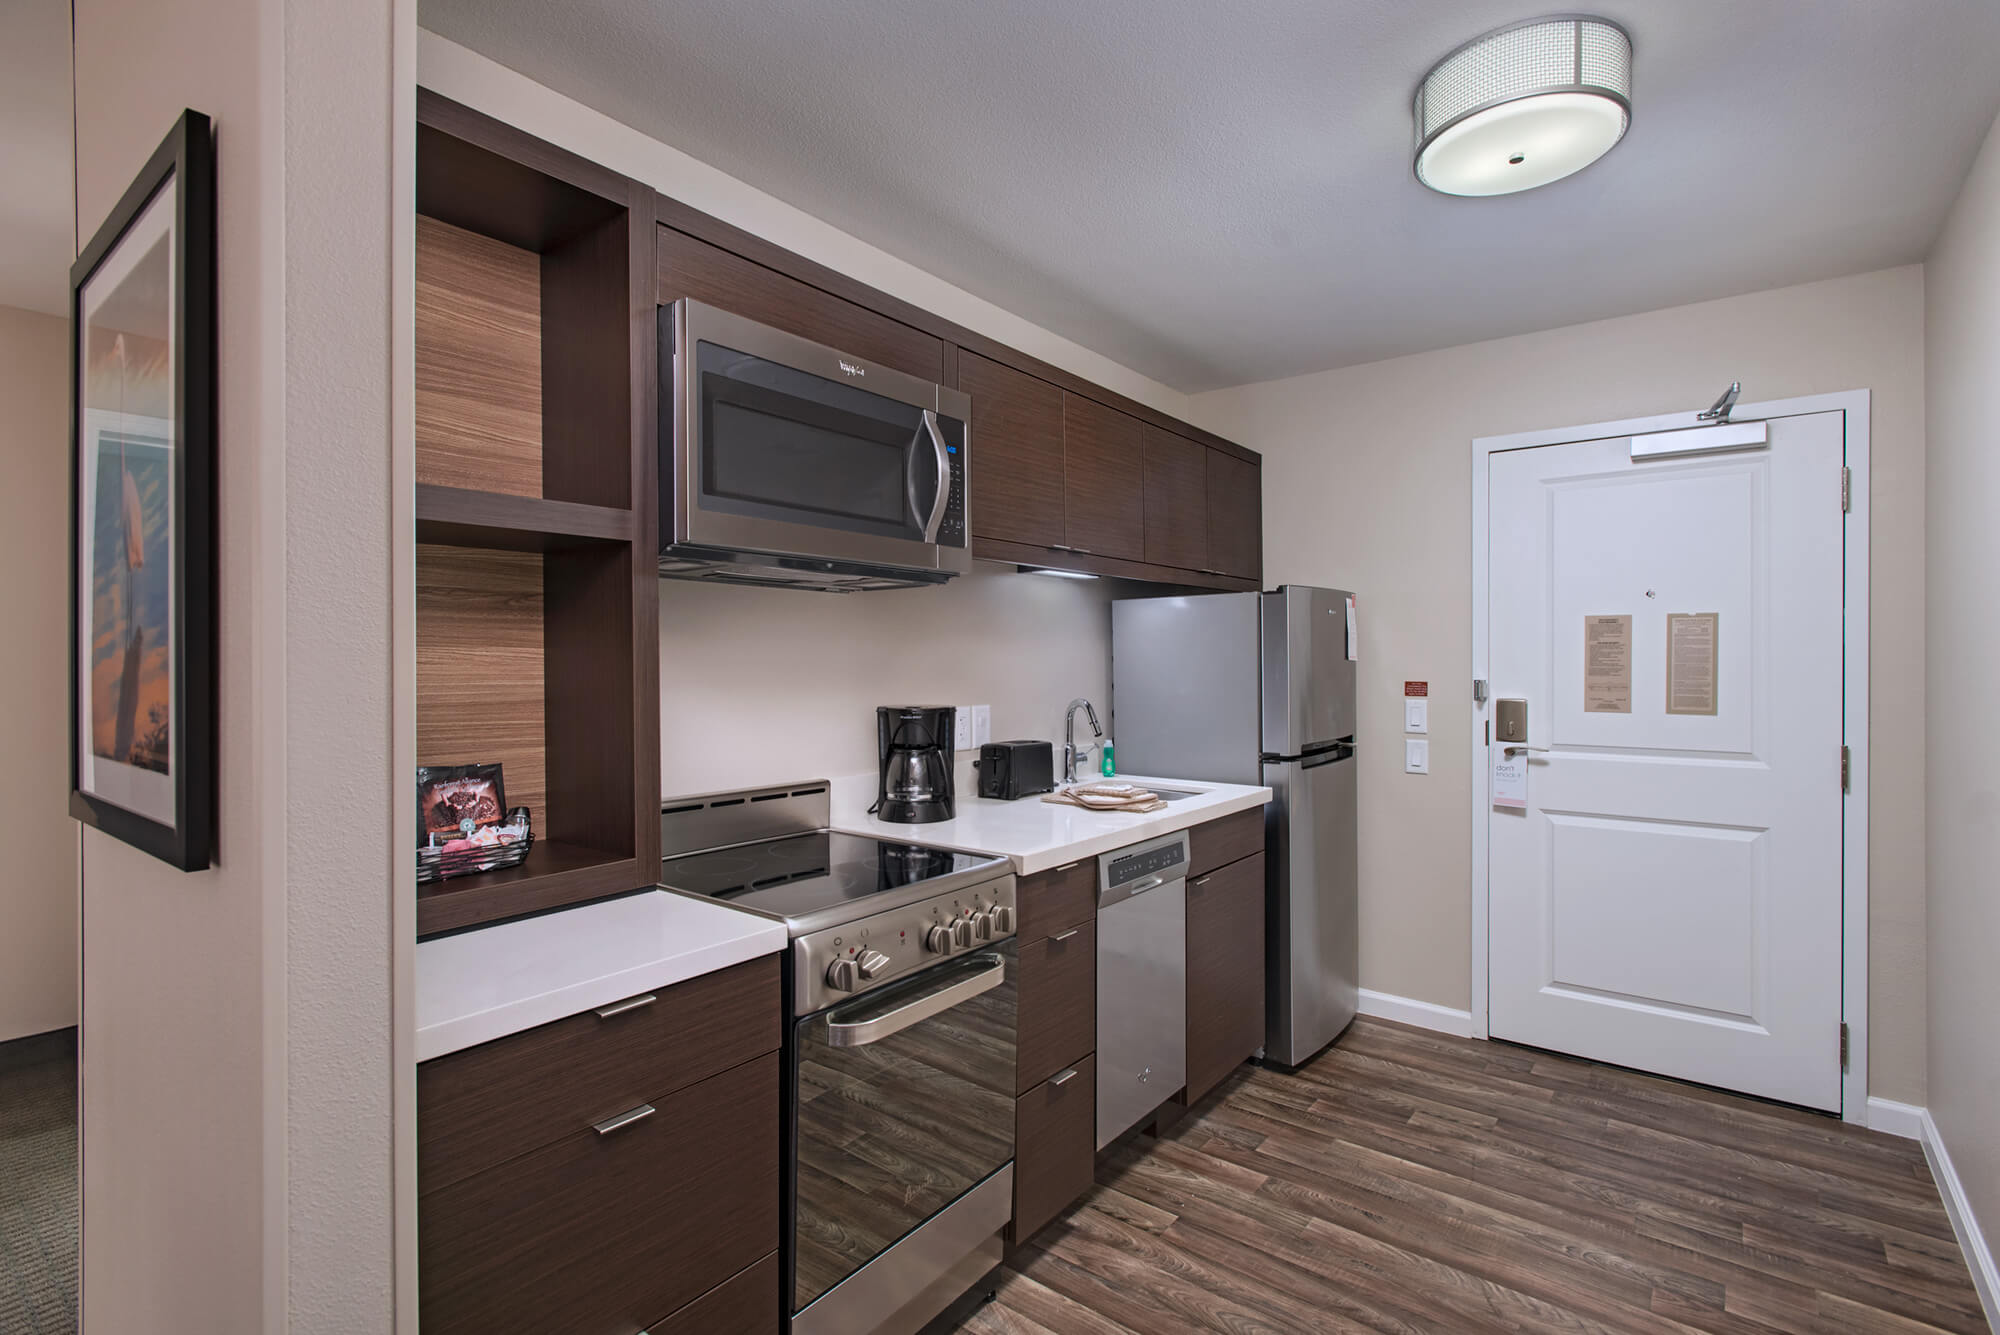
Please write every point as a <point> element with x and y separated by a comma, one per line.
<point>1221,193</point>
<point>36,200</point>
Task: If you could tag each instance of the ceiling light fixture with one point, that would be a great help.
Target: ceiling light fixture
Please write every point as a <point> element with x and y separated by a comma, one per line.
<point>1524,105</point>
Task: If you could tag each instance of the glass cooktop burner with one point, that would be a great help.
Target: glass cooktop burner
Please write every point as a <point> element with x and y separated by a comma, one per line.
<point>805,873</point>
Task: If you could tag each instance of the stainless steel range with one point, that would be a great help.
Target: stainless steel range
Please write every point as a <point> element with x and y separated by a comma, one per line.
<point>899,1055</point>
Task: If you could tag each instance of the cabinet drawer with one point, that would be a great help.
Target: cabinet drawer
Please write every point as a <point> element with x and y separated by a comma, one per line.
<point>1220,842</point>
<point>689,267</point>
<point>1057,1004</point>
<point>598,1234</point>
<point>1054,1159</point>
<point>1225,972</point>
<point>485,1105</point>
<point>1055,901</point>
<point>745,1305</point>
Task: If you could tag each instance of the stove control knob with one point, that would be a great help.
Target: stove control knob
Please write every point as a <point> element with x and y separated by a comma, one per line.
<point>871,963</point>
<point>982,926</point>
<point>840,975</point>
<point>938,940</point>
<point>1003,920</point>
<point>961,933</point>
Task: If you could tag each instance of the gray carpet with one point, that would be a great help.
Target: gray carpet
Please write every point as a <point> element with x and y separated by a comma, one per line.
<point>38,1189</point>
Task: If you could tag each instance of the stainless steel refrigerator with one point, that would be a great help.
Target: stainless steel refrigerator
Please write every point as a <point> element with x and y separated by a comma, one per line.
<point>1259,688</point>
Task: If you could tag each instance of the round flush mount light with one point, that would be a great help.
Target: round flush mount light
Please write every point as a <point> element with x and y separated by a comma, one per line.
<point>1524,105</point>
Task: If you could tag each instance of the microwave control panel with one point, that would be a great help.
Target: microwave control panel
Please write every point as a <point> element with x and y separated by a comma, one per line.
<point>951,529</point>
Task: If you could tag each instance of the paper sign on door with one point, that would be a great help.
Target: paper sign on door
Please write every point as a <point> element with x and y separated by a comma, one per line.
<point>1691,645</point>
<point>1510,779</point>
<point>1607,665</point>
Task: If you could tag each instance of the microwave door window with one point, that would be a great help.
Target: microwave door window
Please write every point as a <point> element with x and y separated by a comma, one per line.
<point>781,444</point>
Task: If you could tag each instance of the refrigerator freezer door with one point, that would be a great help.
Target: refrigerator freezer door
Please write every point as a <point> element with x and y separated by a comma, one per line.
<point>1312,958</point>
<point>1308,677</point>
<point>1184,681</point>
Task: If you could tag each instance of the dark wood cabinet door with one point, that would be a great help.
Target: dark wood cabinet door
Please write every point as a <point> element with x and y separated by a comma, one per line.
<point>1017,453</point>
<point>1225,972</point>
<point>1176,500</point>
<point>485,1105</point>
<point>1055,901</point>
<point>689,267</point>
<point>1055,1125</point>
<point>599,1234</point>
<point>1056,1004</point>
<point>1104,480</point>
<point>1225,839</point>
<point>744,1305</point>
<point>1235,516</point>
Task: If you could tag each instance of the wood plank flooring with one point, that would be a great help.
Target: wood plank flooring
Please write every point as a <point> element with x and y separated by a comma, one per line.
<point>1410,1182</point>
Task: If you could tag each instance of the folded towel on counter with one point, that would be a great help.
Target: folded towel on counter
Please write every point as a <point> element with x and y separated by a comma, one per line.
<point>1107,795</point>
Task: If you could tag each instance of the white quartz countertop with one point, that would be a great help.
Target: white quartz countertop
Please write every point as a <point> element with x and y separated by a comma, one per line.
<point>482,984</point>
<point>1038,835</point>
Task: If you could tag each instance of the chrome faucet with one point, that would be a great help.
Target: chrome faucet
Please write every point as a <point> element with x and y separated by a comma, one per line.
<point>1069,735</point>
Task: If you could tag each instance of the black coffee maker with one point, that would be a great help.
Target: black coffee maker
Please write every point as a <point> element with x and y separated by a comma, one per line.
<point>914,744</point>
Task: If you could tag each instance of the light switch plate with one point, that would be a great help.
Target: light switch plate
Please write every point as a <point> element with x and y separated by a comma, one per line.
<point>982,724</point>
<point>1416,757</point>
<point>1416,715</point>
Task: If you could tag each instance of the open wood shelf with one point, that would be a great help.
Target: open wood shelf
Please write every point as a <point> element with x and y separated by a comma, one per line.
<point>553,874</point>
<point>460,517</point>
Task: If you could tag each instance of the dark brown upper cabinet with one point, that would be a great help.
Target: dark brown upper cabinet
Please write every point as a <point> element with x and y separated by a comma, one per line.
<point>1235,517</point>
<point>1017,453</point>
<point>1176,500</point>
<point>691,267</point>
<point>1104,481</point>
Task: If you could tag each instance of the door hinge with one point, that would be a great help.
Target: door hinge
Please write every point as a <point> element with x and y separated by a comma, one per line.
<point>1846,491</point>
<point>1843,1045</point>
<point>1846,769</point>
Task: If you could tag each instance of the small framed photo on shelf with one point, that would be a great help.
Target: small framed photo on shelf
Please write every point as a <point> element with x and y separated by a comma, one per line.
<point>142,510</point>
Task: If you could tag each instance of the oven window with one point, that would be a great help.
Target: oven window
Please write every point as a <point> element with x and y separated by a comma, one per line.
<point>779,443</point>
<point>892,1129</point>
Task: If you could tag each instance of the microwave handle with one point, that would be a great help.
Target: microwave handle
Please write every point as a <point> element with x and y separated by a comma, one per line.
<point>943,476</point>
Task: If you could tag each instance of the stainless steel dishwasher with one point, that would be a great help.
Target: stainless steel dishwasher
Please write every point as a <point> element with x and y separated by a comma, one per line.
<point>1141,981</point>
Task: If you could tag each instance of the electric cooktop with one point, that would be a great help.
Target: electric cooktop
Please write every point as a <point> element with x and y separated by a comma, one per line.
<point>803,876</point>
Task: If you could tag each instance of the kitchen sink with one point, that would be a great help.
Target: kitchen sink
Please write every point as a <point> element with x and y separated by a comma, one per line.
<point>1171,794</point>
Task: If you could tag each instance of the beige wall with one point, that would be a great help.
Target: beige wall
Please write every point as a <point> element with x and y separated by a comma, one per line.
<point>1367,486</point>
<point>1962,344</point>
<point>236,1068</point>
<point>771,685</point>
<point>38,903</point>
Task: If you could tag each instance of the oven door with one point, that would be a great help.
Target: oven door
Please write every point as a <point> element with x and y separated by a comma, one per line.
<point>904,1103</point>
<point>783,446</point>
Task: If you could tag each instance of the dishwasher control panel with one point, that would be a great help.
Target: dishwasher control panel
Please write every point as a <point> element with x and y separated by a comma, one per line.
<point>1162,859</point>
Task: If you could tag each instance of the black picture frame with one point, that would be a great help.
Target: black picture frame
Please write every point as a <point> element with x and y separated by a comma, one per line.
<point>183,741</point>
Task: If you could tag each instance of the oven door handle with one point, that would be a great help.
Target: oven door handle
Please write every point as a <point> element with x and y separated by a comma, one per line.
<point>915,1011</point>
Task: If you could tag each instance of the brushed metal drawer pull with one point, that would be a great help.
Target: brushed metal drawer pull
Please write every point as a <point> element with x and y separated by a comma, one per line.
<point>629,1004</point>
<point>1064,1078</point>
<point>1204,880</point>
<point>1068,866</point>
<point>624,1119</point>
<point>1064,936</point>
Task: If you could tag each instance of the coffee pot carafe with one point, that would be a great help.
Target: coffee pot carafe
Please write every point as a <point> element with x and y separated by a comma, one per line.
<point>913,743</point>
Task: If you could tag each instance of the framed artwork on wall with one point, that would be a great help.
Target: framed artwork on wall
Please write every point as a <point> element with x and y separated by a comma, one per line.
<point>142,510</point>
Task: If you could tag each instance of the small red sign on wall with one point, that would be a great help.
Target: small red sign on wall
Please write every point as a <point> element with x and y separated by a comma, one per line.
<point>1416,688</point>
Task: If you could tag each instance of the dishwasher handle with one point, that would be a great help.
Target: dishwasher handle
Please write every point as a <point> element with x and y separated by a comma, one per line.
<point>1118,894</point>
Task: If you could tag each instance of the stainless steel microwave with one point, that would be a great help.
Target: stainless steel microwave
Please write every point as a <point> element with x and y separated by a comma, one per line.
<point>785,462</point>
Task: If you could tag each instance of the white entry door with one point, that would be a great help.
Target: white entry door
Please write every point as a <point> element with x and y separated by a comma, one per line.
<point>1667,893</point>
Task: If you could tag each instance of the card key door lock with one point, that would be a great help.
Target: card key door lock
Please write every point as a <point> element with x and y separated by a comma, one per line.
<point>1510,726</point>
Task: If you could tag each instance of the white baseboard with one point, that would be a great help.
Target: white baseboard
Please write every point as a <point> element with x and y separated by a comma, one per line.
<point>1422,1014</point>
<point>1898,1119</point>
<point>1971,1241</point>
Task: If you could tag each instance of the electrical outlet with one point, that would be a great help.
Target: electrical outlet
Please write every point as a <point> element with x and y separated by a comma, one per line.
<point>1416,757</point>
<point>961,733</point>
<point>982,724</point>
